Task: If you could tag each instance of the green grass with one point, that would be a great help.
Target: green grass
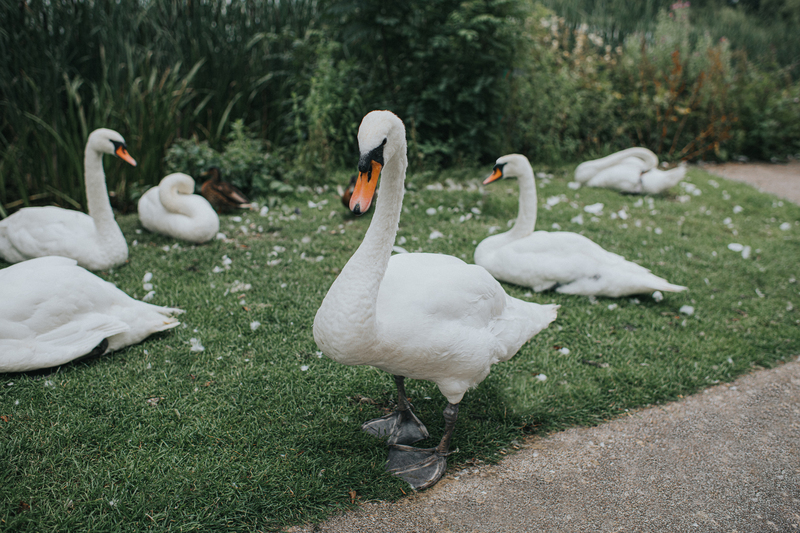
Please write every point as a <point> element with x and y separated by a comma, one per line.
<point>243,438</point>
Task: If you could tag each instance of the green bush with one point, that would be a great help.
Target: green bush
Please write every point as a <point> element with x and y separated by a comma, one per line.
<point>245,162</point>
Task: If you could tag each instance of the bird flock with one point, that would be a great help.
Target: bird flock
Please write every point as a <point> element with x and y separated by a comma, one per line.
<point>414,315</point>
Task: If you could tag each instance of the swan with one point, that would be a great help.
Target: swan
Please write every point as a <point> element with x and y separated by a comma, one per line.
<point>54,312</point>
<point>560,260</point>
<point>94,240</point>
<point>222,195</point>
<point>415,315</point>
<point>172,209</point>
<point>632,171</point>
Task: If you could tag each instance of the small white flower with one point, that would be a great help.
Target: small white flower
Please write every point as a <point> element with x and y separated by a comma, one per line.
<point>196,345</point>
<point>687,310</point>
<point>657,296</point>
<point>594,209</point>
<point>254,325</point>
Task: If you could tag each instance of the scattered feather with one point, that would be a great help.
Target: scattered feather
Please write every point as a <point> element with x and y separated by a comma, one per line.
<point>435,234</point>
<point>737,209</point>
<point>149,296</point>
<point>431,211</point>
<point>687,310</point>
<point>594,209</point>
<point>785,226</point>
<point>147,277</point>
<point>541,377</point>
<point>735,247</point>
<point>196,345</point>
<point>577,219</point>
<point>657,296</point>
<point>574,185</point>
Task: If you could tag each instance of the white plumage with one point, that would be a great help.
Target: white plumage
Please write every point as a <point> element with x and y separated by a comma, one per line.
<point>566,262</point>
<point>94,240</point>
<point>423,316</point>
<point>633,170</point>
<point>173,209</point>
<point>54,311</point>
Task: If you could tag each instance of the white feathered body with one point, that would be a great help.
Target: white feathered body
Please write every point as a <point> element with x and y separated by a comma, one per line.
<point>43,231</point>
<point>422,316</point>
<point>172,209</point>
<point>632,171</point>
<point>567,263</point>
<point>94,240</point>
<point>564,261</point>
<point>52,311</point>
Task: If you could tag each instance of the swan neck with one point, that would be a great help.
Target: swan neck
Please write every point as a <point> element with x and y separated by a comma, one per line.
<point>174,201</point>
<point>97,200</point>
<point>526,218</point>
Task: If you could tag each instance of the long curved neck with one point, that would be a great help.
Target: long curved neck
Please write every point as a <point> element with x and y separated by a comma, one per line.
<point>354,294</point>
<point>526,219</point>
<point>97,193</point>
<point>173,200</point>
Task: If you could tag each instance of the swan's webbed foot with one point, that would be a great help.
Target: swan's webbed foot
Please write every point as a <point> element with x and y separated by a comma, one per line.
<point>423,467</point>
<point>402,427</point>
<point>419,467</point>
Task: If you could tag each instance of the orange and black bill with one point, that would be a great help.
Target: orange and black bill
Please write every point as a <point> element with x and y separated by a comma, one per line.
<point>366,183</point>
<point>122,152</point>
<point>497,173</point>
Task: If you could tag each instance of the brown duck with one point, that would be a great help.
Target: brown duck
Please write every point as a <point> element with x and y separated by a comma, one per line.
<point>221,194</point>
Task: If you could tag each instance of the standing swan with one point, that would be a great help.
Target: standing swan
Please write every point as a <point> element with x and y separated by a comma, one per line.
<point>421,316</point>
<point>173,209</point>
<point>560,260</point>
<point>632,170</point>
<point>54,312</point>
<point>94,240</point>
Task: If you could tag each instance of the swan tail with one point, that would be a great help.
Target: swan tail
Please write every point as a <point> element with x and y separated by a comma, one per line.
<point>656,181</point>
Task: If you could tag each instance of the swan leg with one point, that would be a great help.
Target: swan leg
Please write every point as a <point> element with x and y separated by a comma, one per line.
<point>402,426</point>
<point>423,467</point>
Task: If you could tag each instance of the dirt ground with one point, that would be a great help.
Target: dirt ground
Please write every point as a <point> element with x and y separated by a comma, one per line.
<point>727,459</point>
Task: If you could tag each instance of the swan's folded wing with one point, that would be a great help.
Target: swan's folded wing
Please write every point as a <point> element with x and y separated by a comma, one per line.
<point>43,231</point>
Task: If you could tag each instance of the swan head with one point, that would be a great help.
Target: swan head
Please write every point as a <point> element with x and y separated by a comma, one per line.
<point>381,137</point>
<point>106,141</point>
<point>510,166</point>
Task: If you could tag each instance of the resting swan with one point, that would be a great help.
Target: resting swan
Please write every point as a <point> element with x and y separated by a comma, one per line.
<point>55,311</point>
<point>421,316</point>
<point>94,240</point>
<point>560,260</point>
<point>173,209</point>
<point>632,170</point>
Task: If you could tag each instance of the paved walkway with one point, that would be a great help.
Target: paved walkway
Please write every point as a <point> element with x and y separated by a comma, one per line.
<point>727,459</point>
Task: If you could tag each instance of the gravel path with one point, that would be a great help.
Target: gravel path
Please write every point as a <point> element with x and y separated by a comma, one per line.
<point>727,459</point>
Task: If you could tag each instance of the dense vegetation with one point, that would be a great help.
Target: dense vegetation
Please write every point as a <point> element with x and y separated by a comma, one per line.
<point>471,79</point>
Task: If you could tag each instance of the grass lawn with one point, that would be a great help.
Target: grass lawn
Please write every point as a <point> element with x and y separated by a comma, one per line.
<point>258,431</point>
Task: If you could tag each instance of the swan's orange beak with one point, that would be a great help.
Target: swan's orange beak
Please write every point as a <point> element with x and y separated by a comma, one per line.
<point>497,173</point>
<point>365,189</point>
<point>123,154</point>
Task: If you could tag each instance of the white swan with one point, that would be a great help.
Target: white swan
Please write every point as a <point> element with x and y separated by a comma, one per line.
<point>94,240</point>
<point>632,170</point>
<point>55,311</point>
<point>173,209</point>
<point>560,260</point>
<point>422,316</point>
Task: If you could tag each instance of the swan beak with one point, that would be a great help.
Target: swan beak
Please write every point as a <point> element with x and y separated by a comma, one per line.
<point>497,173</point>
<point>365,189</point>
<point>122,153</point>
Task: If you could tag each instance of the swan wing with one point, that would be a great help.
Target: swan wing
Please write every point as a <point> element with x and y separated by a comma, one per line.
<point>42,231</point>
